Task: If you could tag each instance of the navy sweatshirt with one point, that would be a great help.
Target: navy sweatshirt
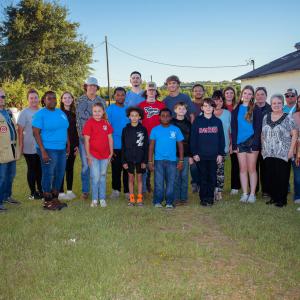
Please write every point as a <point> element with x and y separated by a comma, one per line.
<point>207,138</point>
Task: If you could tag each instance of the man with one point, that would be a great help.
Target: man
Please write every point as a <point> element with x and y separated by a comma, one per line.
<point>198,92</point>
<point>83,113</point>
<point>9,153</point>
<point>291,98</point>
<point>135,96</point>
<point>173,86</point>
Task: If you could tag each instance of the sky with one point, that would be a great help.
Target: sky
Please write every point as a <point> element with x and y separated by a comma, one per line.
<point>185,32</point>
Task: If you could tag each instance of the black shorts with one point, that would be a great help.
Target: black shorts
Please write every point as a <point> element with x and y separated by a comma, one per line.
<point>135,168</point>
<point>246,146</point>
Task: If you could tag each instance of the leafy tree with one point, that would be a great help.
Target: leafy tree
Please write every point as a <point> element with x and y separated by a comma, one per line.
<point>41,45</point>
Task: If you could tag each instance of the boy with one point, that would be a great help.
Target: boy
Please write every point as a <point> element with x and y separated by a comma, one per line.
<point>164,138</point>
<point>135,152</point>
<point>181,179</point>
<point>207,147</point>
<point>118,119</point>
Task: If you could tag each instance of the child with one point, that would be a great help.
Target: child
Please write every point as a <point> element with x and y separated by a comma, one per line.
<point>164,138</point>
<point>98,142</point>
<point>182,177</point>
<point>117,118</point>
<point>135,152</point>
<point>207,147</point>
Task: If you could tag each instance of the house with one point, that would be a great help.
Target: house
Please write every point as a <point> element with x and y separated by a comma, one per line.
<point>276,76</point>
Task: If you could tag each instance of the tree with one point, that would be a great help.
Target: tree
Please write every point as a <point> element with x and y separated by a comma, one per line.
<point>41,45</point>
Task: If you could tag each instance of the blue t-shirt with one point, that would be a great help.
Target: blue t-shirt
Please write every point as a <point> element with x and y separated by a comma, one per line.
<point>54,127</point>
<point>245,128</point>
<point>165,141</point>
<point>225,117</point>
<point>118,120</point>
<point>171,101</point>
<point>287,109</point>
<point>133,99</point>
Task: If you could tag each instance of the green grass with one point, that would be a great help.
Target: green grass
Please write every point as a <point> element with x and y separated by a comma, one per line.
<point>229,251</point>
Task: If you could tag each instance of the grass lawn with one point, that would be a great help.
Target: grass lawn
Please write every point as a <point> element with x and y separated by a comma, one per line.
<point>228,251</point>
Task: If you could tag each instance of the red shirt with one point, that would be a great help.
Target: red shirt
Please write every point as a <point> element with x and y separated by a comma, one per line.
<point>98,132</point>
<point>151,114</point>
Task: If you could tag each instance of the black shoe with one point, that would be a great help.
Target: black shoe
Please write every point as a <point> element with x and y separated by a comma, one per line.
<point>203,203</point>
<point>280,205</point>
<point>11,200</point>
<point>271,201</point>
<point>265,195</point>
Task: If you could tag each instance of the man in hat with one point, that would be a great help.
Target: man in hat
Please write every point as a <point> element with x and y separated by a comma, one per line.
<point>84,107</point>
<point>290,98</point>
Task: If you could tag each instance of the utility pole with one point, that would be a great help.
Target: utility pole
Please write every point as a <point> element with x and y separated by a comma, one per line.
<point>107,69</point>
<point>252,61</point>
<point>151,78</point>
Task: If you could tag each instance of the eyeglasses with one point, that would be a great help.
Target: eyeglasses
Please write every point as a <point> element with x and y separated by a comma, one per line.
<point>3,96</point>
<point>290,96</point>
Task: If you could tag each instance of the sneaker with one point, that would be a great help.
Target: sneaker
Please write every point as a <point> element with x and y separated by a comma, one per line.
<point>31,197</point>
<point>266,195</point>
<point>36,196</point>
<point>140,204</point>
<point>244,198</point>
<point>158,205</point>
<point>54,205</point>
<point>114,194</point>
<point>130,204</point>
<point>84,196</point>
<point>11,200</point>
<point>71,195</point>
<point>2,209</point>
<point>297,201</point>
<point>62,196</point>
<point>194,188</point>
<point>94,203</point>
<point>169,206</point>
<point>251,199</point>
<point>234,192</point>
<point>103,203</point>
<point>127,196</point>
<point>298,209</point>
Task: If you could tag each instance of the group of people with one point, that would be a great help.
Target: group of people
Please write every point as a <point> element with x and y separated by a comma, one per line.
<point>141,135</point>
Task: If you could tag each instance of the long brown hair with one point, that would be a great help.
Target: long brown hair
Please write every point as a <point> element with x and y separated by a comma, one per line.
<point>229,88</point>
<point>251,104</point>
<point>72,106</point>
<point>104,117</point>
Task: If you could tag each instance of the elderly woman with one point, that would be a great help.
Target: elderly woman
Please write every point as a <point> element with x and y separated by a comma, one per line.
<point>279,136</point>
<point>50,129</point>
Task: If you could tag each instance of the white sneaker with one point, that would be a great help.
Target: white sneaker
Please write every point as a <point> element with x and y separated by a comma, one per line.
<point>234,192</point>
<point>71,195</point>
<point>297,201</point>
<point>94,203</point>
<point>127,196</point>
<point>251,199</point>
<point>103,203</point>
<point>62,196</point>
<point>298,209</point>
<point>158,205</point>
<point>244,198</point>
<point>114,194</point>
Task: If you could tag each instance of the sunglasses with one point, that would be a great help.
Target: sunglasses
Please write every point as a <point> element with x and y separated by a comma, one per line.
<point>290,96</point>
<point>3,96</point>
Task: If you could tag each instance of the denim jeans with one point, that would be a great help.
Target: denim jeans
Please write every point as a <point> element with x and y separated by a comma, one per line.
<point>296,181</point>
<point>98,177</point>
<point>7,175</point>
<point>85,170</point>
<point>53,172</point>
<point>181,181</point>
<point>195,174</point>
<point>164,179</point>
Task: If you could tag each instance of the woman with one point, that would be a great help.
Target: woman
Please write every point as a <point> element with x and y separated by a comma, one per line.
<point>261,102</point>
<point>27,145</point>
<point>225,116</point>
<point>296,162</point>
<point>246,122</point>
<point>50,129</point>
<point>230,102</point>
<point>67,105</point>
<point>279,136</point>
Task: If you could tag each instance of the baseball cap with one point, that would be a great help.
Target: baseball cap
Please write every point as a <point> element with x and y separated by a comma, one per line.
<point>291,91</point>
<point>91,81</point>
<point>151,85</point>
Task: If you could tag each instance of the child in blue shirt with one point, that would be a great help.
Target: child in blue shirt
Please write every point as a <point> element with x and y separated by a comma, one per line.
<point>163,139</point>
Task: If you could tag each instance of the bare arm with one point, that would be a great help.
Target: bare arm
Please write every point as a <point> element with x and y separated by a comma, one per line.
<point>87,149</point>
<point>150,155</point>
<point>37,135</point>
<point>21,137</point>
<point>180,150</point>
<point>294,134</point>
<point>111,145</point>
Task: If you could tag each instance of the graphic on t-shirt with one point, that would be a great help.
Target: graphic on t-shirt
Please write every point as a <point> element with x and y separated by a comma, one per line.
<point>104,127</point>
<point>140,140</point>
<point>213,129</point>
<point>3,129</point>
<point>151,111</point>
<point>172,135</point>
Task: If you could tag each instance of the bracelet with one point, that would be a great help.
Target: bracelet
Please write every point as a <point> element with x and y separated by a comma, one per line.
<point>150,162</point>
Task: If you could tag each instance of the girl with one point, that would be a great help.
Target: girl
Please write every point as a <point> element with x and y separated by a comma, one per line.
<point>246,125</point>
<point>27,145</point>
<point>98,143</point>
<point>67,105</point>
<point>230,102</point>
<point>225,116</point>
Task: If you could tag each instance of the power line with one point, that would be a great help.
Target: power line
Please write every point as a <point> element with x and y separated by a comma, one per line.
<point>173,65</point>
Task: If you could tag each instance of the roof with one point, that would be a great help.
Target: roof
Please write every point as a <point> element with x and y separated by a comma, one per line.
<point>289,62</point>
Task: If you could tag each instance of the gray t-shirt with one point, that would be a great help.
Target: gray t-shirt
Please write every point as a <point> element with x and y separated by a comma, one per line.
<point>171,101</point>
<point>25,120</point>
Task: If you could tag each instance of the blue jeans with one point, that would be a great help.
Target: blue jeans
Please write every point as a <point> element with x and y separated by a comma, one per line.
<point>98,178</point>
<point>7,175</point>
<point>181,181</point>
<point>85,170</point>
<point>195,174</point>
<point>296,181</point>
<point>53,172</point>
<point>164,179</point>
